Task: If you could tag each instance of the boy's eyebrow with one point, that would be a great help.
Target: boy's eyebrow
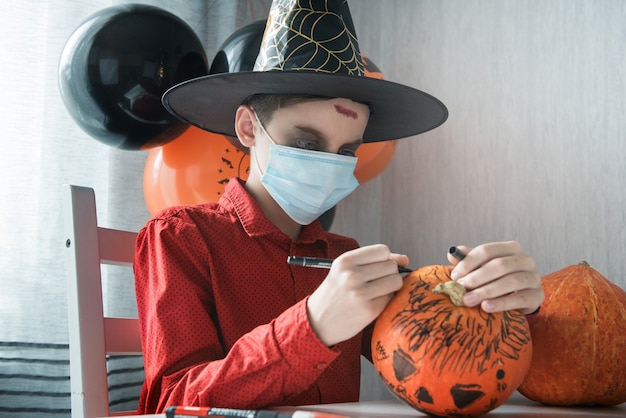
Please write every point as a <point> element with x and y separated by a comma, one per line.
<point>318,134</point>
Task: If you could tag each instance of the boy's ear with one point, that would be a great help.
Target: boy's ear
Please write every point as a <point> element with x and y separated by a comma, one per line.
<point>244,125</point>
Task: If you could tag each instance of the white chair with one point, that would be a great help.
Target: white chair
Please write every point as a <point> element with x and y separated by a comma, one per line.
<point>91,335</point>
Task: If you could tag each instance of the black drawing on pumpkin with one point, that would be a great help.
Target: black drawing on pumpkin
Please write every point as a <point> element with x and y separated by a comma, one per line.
<point>401,390</point>
<point>381,354</point>
<point>423,396</point>
<point>492,403</point>
<point>457,343</point>
<point>464,395</point>
<point>403,366</point>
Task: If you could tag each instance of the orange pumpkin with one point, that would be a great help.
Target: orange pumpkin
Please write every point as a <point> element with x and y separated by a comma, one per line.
<point>448,360</point>
<point>579,340</point>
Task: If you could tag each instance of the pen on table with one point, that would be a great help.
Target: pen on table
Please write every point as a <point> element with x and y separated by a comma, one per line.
<point>199,411</point>
<point>324,263</point>
<point>456,253</point>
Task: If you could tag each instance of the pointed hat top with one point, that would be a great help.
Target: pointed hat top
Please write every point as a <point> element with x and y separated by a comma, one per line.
<point>301,37</point>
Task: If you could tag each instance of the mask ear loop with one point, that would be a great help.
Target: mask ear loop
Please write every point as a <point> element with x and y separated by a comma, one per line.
<point>263,127</point>
<point>256,159</point>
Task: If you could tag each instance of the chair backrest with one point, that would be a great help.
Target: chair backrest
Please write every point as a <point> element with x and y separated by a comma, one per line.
<point>92,336</point>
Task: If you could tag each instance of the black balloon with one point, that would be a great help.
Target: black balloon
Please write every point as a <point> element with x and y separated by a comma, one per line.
<point>239,51</point>
<point>116,66</point>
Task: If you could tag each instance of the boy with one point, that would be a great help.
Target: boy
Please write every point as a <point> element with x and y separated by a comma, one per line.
<point>225,321</point>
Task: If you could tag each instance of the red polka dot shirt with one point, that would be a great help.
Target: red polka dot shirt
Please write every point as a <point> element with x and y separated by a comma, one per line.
<point>223,316</point>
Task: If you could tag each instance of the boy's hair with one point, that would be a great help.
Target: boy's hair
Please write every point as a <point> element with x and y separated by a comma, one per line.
<point>266,104</point>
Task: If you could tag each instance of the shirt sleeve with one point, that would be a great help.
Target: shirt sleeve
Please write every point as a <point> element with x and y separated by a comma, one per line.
<point>184,359</point>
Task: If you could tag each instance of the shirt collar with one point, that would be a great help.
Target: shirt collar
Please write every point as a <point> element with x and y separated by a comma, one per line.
<point>254,221</point>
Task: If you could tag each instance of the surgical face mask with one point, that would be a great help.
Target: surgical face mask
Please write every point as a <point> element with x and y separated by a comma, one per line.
<point>306,183</point>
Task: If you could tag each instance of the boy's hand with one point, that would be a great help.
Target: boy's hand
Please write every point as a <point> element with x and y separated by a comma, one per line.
<point>359,285</point>
<point>499,276</point>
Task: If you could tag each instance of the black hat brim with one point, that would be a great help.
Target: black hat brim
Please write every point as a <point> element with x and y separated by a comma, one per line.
<point>396,111</point>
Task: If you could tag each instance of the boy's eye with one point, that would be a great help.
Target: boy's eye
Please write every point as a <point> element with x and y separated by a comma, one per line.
<point>307,145</point>
<point>315,146</point>
<point>348,152</point>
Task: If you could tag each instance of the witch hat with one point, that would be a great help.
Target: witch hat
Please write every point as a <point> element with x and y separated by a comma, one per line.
<point>309,47</point>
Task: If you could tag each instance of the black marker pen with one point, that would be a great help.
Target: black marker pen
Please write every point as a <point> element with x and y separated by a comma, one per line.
<point>456,253</point>
<point>324,263</point>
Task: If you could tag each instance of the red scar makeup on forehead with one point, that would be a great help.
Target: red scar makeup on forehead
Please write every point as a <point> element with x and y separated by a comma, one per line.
<point>346,112</point>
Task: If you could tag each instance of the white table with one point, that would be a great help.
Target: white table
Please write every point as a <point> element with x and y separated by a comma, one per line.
<point>516,406</point>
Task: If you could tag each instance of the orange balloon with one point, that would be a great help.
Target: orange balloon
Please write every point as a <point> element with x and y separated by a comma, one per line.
<point>371,70</point>
<point>373,158</point>
<point>192,169</point>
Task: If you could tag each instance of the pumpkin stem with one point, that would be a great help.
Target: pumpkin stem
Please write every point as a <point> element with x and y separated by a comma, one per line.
<point>583,263</point>
<point>454,290</point>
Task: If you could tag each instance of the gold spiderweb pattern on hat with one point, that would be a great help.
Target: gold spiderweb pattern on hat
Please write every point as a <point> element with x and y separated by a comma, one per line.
<point>310,35</point>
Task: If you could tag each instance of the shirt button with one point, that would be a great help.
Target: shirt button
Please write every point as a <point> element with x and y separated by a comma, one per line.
<point>321,366</point>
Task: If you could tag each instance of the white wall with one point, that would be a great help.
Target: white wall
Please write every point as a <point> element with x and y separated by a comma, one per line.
<point>535,146</point>
<point>534,149</point>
